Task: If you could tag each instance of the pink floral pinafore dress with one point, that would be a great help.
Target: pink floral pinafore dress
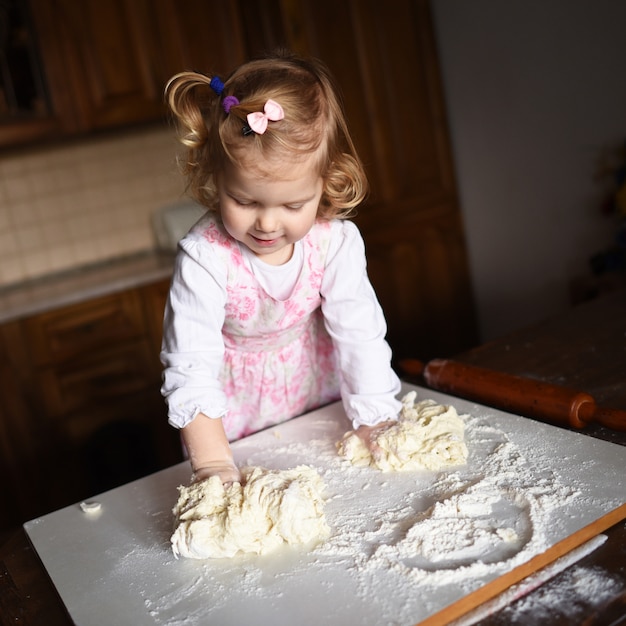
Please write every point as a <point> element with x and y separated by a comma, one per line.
<point>279,360</point>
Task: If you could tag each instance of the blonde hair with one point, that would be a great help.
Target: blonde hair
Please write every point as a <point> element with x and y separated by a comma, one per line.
<point>314,123</point>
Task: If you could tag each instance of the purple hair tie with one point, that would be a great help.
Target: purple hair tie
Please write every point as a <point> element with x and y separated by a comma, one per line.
<point>217,85</point>
<point>229,103</point>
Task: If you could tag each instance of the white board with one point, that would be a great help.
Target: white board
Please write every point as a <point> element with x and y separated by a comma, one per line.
<point>526,486</point>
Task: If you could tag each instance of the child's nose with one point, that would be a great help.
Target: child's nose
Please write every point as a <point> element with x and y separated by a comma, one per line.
<point>267,221</point>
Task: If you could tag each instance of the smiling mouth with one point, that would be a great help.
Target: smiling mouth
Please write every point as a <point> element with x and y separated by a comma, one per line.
<point>265,242</point>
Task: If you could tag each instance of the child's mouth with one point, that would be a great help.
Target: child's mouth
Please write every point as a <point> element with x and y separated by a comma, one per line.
<point>264,242</point>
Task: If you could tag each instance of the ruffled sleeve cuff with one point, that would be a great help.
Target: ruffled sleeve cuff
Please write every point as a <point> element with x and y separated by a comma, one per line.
<point>372,409</point>
<point>184,406</point>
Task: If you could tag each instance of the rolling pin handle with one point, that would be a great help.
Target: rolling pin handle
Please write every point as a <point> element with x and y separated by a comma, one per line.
<point>582,410</point>
<point>610,418</point>
<point>532,398</point>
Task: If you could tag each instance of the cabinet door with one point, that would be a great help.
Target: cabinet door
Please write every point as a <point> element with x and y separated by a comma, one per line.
<point>105,64</point>
<point>383,56</point>
<point>200,35</point>
<point>21,490</point>
<point>59,335</point>
<point>97,377</point>
<point>104,60</point>
<point>25,108</point>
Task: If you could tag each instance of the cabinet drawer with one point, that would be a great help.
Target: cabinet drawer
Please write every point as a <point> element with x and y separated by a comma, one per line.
<point>62,334</point>
<point>96,379</point>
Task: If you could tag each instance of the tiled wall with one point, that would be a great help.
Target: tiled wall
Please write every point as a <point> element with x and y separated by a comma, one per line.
<point>62,208</point>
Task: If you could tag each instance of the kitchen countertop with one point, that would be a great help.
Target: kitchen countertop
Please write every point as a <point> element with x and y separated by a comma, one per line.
<point>591,340</point>
<point>74,286</point>
<point>584,349</point>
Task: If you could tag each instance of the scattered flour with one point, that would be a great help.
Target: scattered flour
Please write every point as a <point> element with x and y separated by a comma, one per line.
<point>401,545</point>
<point>577,589</point>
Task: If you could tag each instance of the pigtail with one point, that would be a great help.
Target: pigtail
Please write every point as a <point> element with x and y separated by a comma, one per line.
<point>190,99</point>
<point>197,110</point>
<point>345,188</point>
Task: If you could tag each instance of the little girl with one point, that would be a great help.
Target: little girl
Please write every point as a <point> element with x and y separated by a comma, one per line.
<point>270,312</point>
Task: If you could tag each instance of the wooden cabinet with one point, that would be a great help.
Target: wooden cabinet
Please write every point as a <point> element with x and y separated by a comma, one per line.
<point>21,490</point>
<point>154,297</point>
<point>107,63</point>
<point>104,65</point>
<point>102,61</point>
<point>199,35</point>
<point>119,54</point>
<point>384,58</point>
<point>60,335</point>
<point>80,408</point>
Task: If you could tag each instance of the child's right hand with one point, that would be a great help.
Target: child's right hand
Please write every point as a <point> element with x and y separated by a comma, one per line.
<point>226,470</point>
<point>369,434</point>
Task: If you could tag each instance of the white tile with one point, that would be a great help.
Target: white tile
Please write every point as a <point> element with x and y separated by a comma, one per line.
<point>23,214</point>
<point>61,258</point>
<point>36,263</point>
<point>84,202</point>
<point>11,270</point>
<point>8,244</point>
<point>18,188</point>
<point>29,240</point>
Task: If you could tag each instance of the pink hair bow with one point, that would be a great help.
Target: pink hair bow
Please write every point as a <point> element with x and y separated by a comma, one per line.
<point>272,111</point>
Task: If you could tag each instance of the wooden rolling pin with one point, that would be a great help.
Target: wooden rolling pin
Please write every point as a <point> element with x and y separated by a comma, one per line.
<point>524,396</point>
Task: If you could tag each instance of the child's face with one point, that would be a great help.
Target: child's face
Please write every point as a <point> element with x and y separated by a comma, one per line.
<point>269,211</point>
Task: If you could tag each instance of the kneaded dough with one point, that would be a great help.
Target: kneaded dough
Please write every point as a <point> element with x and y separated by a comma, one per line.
<point>427,435</point>
<point>273,507</point>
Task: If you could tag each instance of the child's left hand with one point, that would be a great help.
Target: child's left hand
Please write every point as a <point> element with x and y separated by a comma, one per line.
<point>369,436</point>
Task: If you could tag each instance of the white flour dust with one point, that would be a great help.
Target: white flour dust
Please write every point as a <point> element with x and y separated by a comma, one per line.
<point>444,533</point>
<point>577,591</point>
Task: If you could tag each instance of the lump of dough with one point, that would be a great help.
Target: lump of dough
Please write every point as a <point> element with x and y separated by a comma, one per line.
<point>271,508</point>
<point>427,435</point>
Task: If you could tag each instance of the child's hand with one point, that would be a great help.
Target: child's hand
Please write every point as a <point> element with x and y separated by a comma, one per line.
<point>209,450</point>
<point>369,435</point>
<point>226,470</point>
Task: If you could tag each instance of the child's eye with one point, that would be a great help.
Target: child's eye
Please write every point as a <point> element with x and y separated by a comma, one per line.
<point>293,207</point>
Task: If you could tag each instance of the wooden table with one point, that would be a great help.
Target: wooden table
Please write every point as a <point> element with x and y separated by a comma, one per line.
<point>585,349</point>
